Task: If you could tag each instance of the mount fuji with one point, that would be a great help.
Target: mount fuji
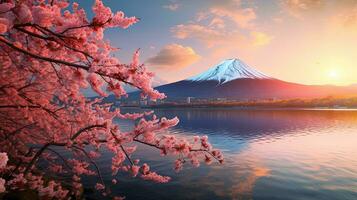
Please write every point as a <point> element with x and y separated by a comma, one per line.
<point>233,79</point>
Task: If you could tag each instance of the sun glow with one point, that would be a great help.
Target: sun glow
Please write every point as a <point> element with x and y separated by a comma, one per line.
<point>333,74</point>
<point>335,70</point>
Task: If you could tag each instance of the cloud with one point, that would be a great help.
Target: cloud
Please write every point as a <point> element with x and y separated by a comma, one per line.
<point>173,56</point>
<point>172,7</point>
<point>225,23</point>
<point>297,8</point>
<point>205,34</point>
<point>209,36</point>
<point>217,22</point>
<point>230,10</point>
<point>347,18</point>
<point>260,38</point>
<point>344,22</point>
<point>243,17</point>
<point>213,37</point>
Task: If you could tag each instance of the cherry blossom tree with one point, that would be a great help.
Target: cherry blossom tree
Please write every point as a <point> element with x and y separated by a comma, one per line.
<point>49,52</point>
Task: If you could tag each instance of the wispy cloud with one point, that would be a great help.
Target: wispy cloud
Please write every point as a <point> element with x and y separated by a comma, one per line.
<point>211,36</point>
<point>172,6</point>
<point>347,18</point>
<point>298,8</point>
<point>224,24</point>
<point>173,57</point>
<point>233,10</point>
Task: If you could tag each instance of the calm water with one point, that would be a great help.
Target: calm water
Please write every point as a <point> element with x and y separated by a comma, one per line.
<point>271,154</point>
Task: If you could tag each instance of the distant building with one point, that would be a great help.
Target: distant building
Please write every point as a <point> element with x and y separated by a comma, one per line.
<point>188,100</point>
<point>221,99</point>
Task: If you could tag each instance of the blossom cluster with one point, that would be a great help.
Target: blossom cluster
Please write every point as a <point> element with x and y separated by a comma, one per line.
<point>3,163</point>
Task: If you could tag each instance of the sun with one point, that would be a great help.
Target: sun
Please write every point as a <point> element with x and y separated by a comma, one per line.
<point>333,74</point>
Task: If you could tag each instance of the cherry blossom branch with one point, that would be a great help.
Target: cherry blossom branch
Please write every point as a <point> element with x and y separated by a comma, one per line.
<point>86,25</point>
<point>60,156</point>
<point>87,129</point>
<point>19,28</point>
<point>206,151</point>
<point>122,148</point>
<point>52,60</point>
<point>191,150</point>
<point>53,114</point>
<point>92,161</point>
<point>36,156</point>
<point>19,130</point>
<point>19,106</point>
<point>21,162</point>
<point>42,57</point>
<point>52,39</point>
<point>58,76</point>
<point>45,146</point>
<point>126,155</point>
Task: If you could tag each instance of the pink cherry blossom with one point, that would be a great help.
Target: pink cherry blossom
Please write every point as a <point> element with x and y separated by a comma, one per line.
<point>2,185</point>
<point>118,198</point>
<point>5,7</point>
<point>153,176</point>
<point>49,52</point>
<point>114,181</point>
<point>43,15</point>
<point>3,160</point>
<point>145,168</point>
<point>99,186</point>
<point>134,170</point>
<point>23,13</point>
<point>3,25</point>
<point>96,84</point>
<point>178,165</point>
<point>208,160</point>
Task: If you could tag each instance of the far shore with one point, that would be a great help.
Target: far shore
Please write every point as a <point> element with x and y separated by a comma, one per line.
<point>325,103</point>
<point>241,107</point>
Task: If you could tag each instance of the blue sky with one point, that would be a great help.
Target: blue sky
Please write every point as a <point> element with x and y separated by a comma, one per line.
<point>151,31</point>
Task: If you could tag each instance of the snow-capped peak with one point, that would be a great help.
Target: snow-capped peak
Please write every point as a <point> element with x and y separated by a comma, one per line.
<point>229,70</point>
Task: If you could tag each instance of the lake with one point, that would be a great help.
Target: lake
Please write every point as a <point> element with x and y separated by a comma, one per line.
<point>269,154</point>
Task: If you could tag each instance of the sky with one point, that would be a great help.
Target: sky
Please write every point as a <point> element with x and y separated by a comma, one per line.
<point>303,41</point>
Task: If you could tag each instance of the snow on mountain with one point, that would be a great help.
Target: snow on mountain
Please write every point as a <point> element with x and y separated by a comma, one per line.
<point>229,70</point>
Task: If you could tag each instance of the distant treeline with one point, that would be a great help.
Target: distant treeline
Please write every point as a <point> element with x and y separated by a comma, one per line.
<point>328,102</point>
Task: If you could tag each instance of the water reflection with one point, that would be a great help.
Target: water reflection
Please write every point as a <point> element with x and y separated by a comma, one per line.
<point>270,154</point>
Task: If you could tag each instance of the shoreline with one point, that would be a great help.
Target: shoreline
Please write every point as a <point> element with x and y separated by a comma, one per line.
<point>322,108</point>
